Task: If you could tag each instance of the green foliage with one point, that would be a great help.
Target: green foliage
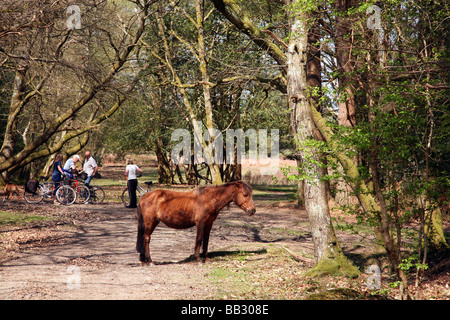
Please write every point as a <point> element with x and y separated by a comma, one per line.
<point>309,164</point>
<point>411,263</point>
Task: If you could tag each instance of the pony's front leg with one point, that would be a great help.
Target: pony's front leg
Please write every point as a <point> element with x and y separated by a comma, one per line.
<point>206,233</point>
<point>199,240</point>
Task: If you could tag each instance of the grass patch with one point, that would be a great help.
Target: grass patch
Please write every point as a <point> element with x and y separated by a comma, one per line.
<point>111,182</point>
<point>114,187</point>
<point>274,194</point>
<point>19,218</point>
<point>106,182</point>
<point>276,188</point>
<point>265,273</point>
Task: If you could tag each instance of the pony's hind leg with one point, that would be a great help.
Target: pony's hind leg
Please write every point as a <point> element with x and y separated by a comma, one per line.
<point>145,256</point>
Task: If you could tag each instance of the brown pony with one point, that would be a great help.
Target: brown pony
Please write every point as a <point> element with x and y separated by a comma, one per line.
<point>182,210</point>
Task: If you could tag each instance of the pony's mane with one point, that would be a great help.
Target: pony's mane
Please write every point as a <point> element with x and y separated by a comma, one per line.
<point>201,190</point>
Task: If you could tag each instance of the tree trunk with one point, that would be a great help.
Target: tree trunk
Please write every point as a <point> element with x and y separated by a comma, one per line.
<point>179,175</point>
<point>327,249</point>
<point>347,104</point>
<point>213,167</point>
<point>434,229</point>
<point>165,175</point>
<point>196,124</point>
<point>9,138</point>
<point>392,250</point>
<point>346,101</point>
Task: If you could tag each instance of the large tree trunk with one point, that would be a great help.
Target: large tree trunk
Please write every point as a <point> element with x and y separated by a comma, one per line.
<point>327,248</point>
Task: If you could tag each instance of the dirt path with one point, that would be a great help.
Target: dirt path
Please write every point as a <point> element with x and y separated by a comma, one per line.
<point>97,260</point>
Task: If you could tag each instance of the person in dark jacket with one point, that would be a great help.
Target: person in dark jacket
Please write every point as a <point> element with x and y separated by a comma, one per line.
<point>57,171</point>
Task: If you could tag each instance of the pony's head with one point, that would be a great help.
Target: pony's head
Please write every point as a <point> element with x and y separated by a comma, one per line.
<point>243,197</point>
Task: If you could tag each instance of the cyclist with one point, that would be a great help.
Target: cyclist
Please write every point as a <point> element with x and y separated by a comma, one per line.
<point>131,174</point>
<point>90,167</point>
<point>57,171</point>
<point>69,167</point>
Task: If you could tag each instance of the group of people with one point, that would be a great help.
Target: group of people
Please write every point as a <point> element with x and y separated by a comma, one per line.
<point>67,171</point>
<point>90,167</point>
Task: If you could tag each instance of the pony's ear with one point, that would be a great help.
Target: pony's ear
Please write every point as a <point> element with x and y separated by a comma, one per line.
<point>236,185</point>
<point>239,184</point>
<point>244,185</point>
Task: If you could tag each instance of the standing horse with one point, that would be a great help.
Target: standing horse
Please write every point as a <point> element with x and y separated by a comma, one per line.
<point>182,210</point>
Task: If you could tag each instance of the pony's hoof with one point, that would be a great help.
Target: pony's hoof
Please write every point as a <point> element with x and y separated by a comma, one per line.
<point>198,261</point>
<point>149,263</point>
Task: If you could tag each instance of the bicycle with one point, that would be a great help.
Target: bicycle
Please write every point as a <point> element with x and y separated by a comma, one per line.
<point>35,192</point>
<point>141,191</point>
<point>96,193</point>
<point>82,191</point>
<point>66,195</point>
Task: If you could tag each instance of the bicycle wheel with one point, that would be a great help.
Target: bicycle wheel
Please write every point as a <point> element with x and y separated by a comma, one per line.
<point>83,194</point>
<point>35,197</point>
<point>126,197</point>
<point>97,194</point>
<point>66,195</point>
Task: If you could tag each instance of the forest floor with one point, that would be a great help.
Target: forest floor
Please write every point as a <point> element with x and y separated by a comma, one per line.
<point>50,251</point>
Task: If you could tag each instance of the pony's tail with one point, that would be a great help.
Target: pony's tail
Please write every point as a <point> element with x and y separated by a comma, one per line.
<point>140,232</point>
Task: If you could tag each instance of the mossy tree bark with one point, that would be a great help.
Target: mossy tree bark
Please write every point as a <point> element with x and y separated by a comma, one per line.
<point>293,64</point>
<point>327,249</point>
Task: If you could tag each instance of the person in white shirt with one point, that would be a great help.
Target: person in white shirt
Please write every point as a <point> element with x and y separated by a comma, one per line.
<point>131,174</point>
<point>90,167</point>
<point>69,167</point>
